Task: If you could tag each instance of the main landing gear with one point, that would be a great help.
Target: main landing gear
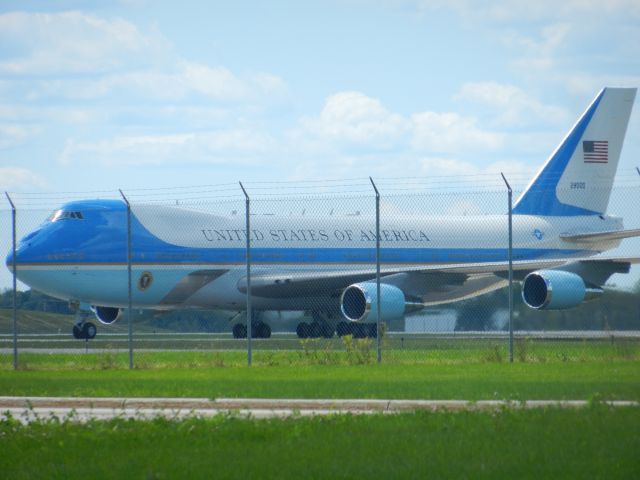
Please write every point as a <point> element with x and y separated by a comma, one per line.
<point>325,330</point>
<point>258,330</point>
<point>322,326</point>
<point>314,330</point>
<point>357,330</point>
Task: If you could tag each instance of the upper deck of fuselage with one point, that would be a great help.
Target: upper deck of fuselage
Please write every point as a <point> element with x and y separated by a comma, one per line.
<point>95,232</point>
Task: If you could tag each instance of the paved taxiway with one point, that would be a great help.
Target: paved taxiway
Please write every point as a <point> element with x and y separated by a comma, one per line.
<point>29,409</point>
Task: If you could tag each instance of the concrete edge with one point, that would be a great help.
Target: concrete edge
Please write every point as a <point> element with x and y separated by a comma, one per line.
<point>332,405</point>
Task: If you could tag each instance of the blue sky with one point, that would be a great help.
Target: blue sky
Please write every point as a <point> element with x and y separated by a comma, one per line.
<point>140,94</point>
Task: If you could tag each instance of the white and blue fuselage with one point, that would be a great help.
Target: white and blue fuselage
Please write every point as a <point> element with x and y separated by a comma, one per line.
<point>81,253</point>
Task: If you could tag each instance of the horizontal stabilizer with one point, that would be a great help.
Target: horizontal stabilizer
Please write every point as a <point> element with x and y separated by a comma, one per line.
<point>600,236</point>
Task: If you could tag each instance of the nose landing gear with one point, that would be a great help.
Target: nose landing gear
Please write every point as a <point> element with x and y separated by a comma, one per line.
<point>83,330</point>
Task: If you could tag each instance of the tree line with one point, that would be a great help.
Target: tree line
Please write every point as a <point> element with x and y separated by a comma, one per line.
<point>616,309</point>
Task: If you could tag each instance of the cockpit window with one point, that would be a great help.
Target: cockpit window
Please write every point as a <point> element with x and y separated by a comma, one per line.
<point>66,214</point>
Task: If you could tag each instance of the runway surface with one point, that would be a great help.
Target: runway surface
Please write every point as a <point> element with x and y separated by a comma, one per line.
<point>30,409</point>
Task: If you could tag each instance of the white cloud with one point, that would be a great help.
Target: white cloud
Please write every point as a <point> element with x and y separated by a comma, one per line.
<point>202,147</point>
<point>589,84</point>
<point>552,42</point>
<point>509,11</point>
<point>451,132</point>
<point>456,168</point>
<point>355,133</point>
<point>32,114</point>
<point>13,135</point>
<point>75,42</point>
<point>442,166</point>
<point>354,119</point>
<point>17,178</point>
<point>512,106</point>
<point>583,44</point>
<point>212,82</point>
<point>539,53</point>
<point>82,57</point>
<point>186,79</point>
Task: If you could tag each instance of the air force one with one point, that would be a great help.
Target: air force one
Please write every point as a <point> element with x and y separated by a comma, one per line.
<point>327,266</point>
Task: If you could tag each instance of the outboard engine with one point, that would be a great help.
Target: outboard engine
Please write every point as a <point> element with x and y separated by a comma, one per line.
<point>556,290</point>
<point>107,315</point>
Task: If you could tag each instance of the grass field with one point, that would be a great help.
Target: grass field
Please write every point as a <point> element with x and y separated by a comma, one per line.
<point>570,380</point>
<point>596,442</point>
<point>287,349</point>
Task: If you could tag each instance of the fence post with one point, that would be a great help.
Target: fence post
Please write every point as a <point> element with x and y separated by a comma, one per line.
<point>378,302</point>
<point>15,283</point>
<point>510,196</point>
<point>130,307</point>
<point>249,313</point>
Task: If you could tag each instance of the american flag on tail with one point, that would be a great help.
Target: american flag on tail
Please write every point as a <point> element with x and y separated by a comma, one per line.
<point>595,151</point>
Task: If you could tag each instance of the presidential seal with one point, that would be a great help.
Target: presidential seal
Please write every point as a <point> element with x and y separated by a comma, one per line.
<point>145,281</point>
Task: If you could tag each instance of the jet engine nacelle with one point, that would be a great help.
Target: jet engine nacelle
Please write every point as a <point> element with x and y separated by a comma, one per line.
<point>107,315</point>
<point>358,302</point>
<point>556,290</point>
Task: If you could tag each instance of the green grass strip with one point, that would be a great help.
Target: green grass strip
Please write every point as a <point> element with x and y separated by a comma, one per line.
<point>519,381</point>
<point>595,442</point>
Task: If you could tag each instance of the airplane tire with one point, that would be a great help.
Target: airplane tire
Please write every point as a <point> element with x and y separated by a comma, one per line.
<point>89,330</point>
<point>372,330</point>
<point>327,330</point>
<point>342,329</point>
<point>239,331</point>
<point>77,332</point>
<point>315,330</point>
<point>359,330</point>
<point>302,330</point>
<point>261,330</point>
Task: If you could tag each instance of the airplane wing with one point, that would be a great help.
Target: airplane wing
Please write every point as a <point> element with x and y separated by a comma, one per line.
<point>429,284</point>
<point>420,280</point>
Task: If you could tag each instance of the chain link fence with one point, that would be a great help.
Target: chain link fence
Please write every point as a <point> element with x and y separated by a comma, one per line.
<point>336,275</point>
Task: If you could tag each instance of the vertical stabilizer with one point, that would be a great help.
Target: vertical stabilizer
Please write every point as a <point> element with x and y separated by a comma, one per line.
<point>578,176</point>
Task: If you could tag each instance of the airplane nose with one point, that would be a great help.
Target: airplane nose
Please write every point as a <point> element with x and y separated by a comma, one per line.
<point>23,251</point>
<point>9,260</point>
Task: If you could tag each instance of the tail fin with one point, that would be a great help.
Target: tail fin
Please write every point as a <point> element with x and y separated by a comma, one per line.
<point>578,176</point>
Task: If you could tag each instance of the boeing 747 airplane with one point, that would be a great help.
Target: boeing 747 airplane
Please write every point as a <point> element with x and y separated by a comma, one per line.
<point>326,266</point>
